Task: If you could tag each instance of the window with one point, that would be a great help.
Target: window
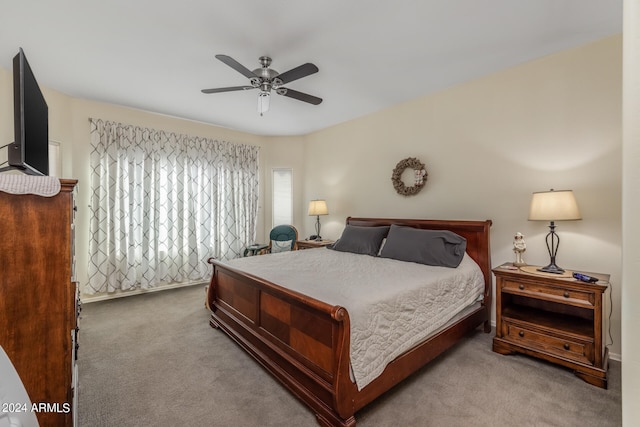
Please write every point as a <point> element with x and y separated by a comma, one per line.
<point>282,203</point>
<point>55,164</point>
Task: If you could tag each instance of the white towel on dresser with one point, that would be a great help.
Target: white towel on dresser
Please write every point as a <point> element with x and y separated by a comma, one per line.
<point>46,186</point>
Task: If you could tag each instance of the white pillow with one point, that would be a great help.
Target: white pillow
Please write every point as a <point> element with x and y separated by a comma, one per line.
<point>280,246</point>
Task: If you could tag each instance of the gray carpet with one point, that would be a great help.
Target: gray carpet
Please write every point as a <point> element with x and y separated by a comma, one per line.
<point>153,360</point>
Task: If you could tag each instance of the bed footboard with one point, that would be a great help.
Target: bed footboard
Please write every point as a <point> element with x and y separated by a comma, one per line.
<point>303,342</point>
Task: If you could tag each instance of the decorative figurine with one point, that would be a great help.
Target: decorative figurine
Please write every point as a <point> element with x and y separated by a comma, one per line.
<point>519,247</point>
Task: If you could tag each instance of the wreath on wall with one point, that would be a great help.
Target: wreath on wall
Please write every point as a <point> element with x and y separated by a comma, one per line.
<point>419,174</point>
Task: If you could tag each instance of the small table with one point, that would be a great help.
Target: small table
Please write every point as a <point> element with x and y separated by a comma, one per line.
<point>308,244</point>
<point>553,317</point>
<point>254,249</point>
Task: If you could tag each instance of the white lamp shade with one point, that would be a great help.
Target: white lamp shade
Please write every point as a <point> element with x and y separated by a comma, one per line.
<point>554,206</point>
<point>318,207</point>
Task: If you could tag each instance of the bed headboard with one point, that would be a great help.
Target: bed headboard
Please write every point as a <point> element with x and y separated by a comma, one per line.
<point>477,234</point>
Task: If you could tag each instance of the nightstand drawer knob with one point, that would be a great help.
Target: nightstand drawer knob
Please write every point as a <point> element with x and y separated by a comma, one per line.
<point>566,346</point>
<point>521,333</point>
<point>567,295</point>
<point>521,287</point>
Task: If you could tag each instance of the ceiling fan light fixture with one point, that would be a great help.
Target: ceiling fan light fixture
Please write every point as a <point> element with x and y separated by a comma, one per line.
<point>264,99</point>
<point>264,79</point>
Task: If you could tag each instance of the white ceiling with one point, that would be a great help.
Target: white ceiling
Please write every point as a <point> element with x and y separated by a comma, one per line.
<point>157,55</point>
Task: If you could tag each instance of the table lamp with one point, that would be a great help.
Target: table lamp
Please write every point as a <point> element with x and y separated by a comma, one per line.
<point>317,208</point>
<point>553,206</point>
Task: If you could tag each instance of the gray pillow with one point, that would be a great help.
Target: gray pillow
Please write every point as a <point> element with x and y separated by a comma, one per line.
<point>431,247</point>
<point>360,240</point>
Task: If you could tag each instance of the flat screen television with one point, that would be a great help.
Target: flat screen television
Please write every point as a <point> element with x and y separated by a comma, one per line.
<point>30,150</point>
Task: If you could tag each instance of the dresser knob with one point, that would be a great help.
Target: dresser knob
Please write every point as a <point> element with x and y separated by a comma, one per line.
<point>521,286</point>
<point>566,346</point>
<point>521,333</point>
<point>567,295</point>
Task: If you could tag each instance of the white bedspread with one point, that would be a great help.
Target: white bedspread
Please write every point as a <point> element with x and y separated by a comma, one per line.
<point>393,305</point>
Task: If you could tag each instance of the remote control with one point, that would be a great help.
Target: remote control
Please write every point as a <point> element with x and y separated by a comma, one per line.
<point>585,277</point>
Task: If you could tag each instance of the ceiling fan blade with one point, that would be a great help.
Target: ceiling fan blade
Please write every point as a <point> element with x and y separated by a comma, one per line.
<point>236,66</point>
<point>300,96</point>
<point>227,89</point>
<point>298,73</point>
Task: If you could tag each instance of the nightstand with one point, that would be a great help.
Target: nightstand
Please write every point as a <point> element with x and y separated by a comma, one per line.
<point>308,244</point>
<point>254,249</point>
<point>552,317</point>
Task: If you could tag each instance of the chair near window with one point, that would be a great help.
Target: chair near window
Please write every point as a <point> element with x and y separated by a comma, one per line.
<point>282,238</point>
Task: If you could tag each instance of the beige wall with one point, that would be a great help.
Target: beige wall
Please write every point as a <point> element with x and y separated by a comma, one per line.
<point>487,145</point>
<point>6,111</point>
<point>630,209</point>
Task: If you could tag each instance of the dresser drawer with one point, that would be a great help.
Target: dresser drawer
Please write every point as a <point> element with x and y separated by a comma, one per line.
<point>550,293</point>
<point>568,347</point>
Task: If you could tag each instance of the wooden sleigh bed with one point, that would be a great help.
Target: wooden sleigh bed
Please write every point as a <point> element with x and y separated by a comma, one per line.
<point>305,343</point>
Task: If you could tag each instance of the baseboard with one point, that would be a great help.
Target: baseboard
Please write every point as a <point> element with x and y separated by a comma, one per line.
<point>615,356</point>
<point>86,299</point>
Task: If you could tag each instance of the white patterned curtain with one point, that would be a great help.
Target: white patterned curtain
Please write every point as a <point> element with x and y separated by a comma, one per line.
<point>162,204</point>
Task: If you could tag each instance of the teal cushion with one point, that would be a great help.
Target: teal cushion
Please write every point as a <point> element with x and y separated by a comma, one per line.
<point>282,232</point>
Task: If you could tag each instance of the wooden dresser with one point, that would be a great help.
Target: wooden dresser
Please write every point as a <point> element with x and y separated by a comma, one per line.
<point>555,318</point>
<point>39,299</point>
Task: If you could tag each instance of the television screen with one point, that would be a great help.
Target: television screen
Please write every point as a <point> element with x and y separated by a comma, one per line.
<point>30,149</point>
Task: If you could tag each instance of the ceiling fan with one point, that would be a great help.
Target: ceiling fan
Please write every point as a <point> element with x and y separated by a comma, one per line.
<point>266,78</point>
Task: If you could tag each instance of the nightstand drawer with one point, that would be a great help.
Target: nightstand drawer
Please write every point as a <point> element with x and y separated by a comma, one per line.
<point>563,346</point>
<point>549,293</point>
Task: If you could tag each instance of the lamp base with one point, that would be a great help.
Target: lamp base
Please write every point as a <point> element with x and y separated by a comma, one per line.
<point>552,268</point>
<point>317,235</point>
<point>553,242</point>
